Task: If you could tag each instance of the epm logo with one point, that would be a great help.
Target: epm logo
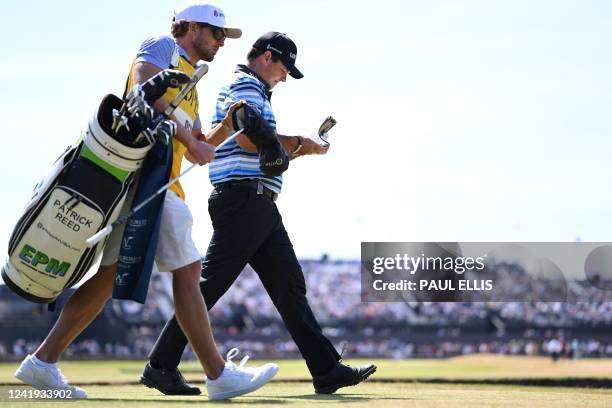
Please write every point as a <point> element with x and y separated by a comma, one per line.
<point>33,257</point>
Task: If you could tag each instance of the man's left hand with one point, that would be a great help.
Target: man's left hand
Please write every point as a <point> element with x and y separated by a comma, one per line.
<point>227,120</point>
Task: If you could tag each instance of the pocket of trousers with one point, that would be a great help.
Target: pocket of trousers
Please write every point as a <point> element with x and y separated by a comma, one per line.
<point>228,206</point>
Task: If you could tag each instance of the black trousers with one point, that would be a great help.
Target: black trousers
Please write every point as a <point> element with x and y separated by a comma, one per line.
<point>249,229</point>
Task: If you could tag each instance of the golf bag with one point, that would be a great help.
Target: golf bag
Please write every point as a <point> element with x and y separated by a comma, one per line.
<point>83,192</point>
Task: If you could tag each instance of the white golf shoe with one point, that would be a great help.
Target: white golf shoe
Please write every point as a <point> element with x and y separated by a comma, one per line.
<point>47,378</point>
<point>237,380</point>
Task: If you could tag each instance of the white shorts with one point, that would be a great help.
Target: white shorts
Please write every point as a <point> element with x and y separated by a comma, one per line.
<point>175,248</point>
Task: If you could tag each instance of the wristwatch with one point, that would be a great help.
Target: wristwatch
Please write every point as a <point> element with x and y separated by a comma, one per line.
<point>299,146</point>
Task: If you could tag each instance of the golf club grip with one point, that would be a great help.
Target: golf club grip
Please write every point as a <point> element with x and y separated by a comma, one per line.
<point>197,75</point>
<point>97,237</point>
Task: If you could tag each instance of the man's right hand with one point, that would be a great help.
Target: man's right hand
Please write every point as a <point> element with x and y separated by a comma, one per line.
<point>200,152</point>
<point>310,146</point>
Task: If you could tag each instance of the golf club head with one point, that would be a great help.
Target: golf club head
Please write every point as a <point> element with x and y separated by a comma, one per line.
<point>326,126</point>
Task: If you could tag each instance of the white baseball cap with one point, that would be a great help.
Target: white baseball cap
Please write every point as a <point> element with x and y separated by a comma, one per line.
<point>206,13</point>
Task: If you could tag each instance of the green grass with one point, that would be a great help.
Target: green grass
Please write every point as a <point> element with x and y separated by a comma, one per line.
<point>120,377</point>
<point>467,367</point>
<point>364,395</point>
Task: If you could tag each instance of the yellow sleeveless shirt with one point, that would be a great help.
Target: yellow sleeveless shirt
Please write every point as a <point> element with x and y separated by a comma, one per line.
<point>185,114</point>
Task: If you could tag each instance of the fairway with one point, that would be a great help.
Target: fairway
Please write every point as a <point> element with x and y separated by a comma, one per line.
<point>396,383</point>
<point>383,395</point>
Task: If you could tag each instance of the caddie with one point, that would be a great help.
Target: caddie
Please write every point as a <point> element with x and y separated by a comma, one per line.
<point>198,32</point>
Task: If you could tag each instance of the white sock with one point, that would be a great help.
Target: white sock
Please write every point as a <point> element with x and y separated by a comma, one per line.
<point>41,363</point>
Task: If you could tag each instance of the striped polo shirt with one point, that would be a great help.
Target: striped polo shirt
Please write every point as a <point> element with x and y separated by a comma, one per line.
<point>231,161</point>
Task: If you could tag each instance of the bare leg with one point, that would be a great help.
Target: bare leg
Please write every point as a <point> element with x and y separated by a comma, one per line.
<point>82,307</point>
<point>191,314</point>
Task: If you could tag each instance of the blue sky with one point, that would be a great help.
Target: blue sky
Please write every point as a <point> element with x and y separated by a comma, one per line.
<point>458,120</point>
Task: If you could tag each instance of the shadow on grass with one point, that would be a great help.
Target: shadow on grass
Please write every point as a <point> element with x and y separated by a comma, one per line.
<point>204,400</point>
<point>345,397</point>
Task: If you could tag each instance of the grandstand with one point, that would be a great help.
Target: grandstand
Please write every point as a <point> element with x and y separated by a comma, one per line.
<point>246,317</point>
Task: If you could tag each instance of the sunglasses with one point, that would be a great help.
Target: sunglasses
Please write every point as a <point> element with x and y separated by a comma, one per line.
<point>217,32</point>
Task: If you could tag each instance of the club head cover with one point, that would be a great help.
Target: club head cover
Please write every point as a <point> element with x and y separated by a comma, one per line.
<point>273,160</point>
<point>157,85</point>
<point>255,127</point>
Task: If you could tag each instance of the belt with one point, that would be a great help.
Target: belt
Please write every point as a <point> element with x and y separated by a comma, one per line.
<point>253,185</point>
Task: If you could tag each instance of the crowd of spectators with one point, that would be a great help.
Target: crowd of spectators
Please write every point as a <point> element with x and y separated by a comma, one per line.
<point>286,348</point>
<point>334,292</point>
<point>246,317</point>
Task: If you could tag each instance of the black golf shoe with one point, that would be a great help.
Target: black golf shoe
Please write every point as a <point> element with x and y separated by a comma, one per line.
<point>342,376</point>
<point>167,381</point>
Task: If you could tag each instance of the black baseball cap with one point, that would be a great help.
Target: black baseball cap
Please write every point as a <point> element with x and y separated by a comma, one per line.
<point>282,47</point>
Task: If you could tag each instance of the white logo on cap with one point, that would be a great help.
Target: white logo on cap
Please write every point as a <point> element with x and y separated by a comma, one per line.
<point>292,55</point>
<point>269,47</point>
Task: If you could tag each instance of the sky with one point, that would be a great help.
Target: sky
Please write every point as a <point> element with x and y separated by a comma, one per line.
<point>458,120</point>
